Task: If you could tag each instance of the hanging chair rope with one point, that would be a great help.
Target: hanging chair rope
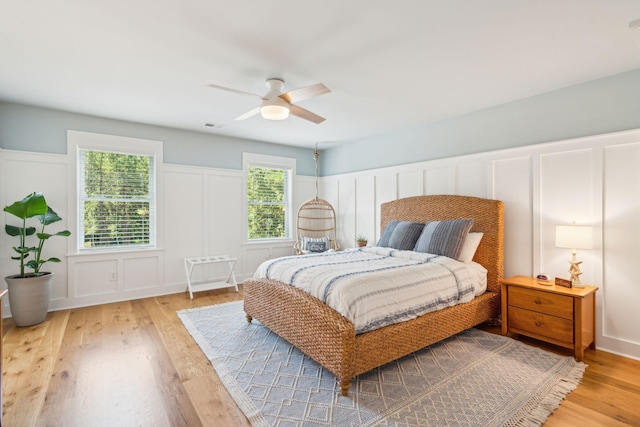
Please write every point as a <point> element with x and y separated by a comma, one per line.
<point>316,155</point>
<point>316,219</point>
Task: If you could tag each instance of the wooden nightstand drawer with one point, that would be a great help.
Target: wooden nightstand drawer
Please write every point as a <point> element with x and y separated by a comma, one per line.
<point>536,324</point>
<point>562,316</point>
<point>543,302</point>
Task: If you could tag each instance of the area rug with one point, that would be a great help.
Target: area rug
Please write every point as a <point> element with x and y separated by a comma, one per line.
<point>474,378</point>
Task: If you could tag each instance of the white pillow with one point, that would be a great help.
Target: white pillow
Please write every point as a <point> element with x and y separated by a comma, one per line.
<point>470,246</point>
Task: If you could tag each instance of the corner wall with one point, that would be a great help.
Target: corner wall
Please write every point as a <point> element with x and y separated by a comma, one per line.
<point>593,180</point>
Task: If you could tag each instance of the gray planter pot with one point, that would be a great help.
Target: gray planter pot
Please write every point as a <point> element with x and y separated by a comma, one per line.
<point>29,298</point>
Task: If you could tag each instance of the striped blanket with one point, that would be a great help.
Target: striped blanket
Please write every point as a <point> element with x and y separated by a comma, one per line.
<point>374,287</point>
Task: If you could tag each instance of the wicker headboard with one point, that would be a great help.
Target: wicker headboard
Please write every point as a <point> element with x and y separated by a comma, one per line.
<point>487,214</point>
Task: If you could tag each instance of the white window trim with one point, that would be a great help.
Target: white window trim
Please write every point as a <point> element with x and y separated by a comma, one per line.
<point>77,140</point>
<point>276,162</point>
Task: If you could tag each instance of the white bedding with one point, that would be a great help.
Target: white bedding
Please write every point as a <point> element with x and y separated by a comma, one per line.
<point>374,287</point>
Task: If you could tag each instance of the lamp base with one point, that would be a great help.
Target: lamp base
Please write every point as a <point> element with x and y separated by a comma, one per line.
<point>575,272</point>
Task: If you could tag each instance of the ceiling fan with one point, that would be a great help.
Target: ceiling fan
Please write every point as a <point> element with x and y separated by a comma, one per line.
<point>276,105</point>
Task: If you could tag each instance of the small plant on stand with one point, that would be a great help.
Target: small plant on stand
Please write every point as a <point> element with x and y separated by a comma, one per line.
<point>361,240</point>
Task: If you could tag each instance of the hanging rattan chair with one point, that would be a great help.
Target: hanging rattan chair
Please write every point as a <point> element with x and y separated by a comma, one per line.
<point>316,223</point>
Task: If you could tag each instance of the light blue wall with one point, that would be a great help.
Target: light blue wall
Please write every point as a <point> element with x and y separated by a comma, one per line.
<point>28,128</point>
<point>601,106</point>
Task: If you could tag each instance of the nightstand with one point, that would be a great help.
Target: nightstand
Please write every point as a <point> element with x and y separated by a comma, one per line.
<point>555,314</point>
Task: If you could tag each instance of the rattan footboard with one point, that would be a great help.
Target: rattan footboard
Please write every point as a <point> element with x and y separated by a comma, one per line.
<point>306,322</point>
<point>329,338</point>
<point>383,345</point>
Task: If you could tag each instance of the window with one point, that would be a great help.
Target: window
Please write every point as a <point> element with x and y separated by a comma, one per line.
<point>116,199</point>
<point>117,185</point>
<point>268,184</point>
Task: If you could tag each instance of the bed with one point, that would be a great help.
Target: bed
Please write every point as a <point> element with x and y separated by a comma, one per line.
<point>331,340</point>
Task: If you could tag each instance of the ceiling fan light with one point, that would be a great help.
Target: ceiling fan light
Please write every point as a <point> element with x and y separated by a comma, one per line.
<point>274,112</point>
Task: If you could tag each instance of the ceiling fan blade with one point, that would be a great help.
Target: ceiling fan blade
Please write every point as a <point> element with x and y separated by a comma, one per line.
<point>241,92</point>
<point>303,93</point>
<point>249,114</point>
<point>305,114</point>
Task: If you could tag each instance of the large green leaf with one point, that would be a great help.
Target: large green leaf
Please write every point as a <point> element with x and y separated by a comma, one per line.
<point>45,236</point>
<point>49,218</point>
<point>32,205</point>
<point>23,250</point>
<point>12,230</point>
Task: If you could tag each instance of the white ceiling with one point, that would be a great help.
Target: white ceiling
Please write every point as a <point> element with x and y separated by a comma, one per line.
<point>389,64</point>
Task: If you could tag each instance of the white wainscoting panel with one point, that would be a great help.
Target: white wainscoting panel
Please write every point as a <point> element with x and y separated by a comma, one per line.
<point>440,180</point>
<point>472,179</point>
<point>513,185</point>
<point>386,189</point>
<point>365,204</point>
<point>141,272</point>
<point>184,213</point>
<point>329,190</point>
<point>109,276</point>
<point>566,196</point>
<point>305,190</point>
<point>347,214</point>
<point>410,183</point>
<point>95,277</point>
<point>222,223</point>
<point>621,291</point>
<point>256,253</point>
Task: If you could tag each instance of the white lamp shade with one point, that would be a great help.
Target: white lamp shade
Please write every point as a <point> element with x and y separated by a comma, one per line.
<point>574,236</point>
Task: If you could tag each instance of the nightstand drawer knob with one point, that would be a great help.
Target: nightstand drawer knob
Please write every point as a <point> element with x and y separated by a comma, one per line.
<point>537,301</point>
<point>538,323</point>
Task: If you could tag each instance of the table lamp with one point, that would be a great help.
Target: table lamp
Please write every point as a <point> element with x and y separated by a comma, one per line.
<point>574,237</point>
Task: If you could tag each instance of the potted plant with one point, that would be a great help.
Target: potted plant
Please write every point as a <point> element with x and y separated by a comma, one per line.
<point>361,240</point>
<point>29,292</point>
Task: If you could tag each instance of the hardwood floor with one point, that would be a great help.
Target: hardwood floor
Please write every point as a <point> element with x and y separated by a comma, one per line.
<point>134,364</point>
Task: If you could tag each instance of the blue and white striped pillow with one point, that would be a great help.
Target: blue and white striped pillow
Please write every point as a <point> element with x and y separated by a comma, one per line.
<point>444,237</point>
<point>386,234</point>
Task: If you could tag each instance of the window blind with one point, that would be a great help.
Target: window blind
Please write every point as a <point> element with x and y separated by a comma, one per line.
<point>116,199</point>
<point>268,202</point>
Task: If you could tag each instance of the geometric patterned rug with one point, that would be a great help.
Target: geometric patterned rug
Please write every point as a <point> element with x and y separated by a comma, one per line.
<point>474,378</point>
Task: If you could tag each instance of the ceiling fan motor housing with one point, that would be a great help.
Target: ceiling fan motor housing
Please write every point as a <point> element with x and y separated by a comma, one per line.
<point>275,87</point>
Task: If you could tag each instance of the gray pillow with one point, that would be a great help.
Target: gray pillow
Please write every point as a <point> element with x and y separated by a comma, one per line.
<point>314,244</point>
<point>444,237</point>
<point>405,235</point>
<point>386,234</point>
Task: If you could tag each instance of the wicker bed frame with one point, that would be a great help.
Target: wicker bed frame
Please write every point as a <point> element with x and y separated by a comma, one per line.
<point>329,338</point>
